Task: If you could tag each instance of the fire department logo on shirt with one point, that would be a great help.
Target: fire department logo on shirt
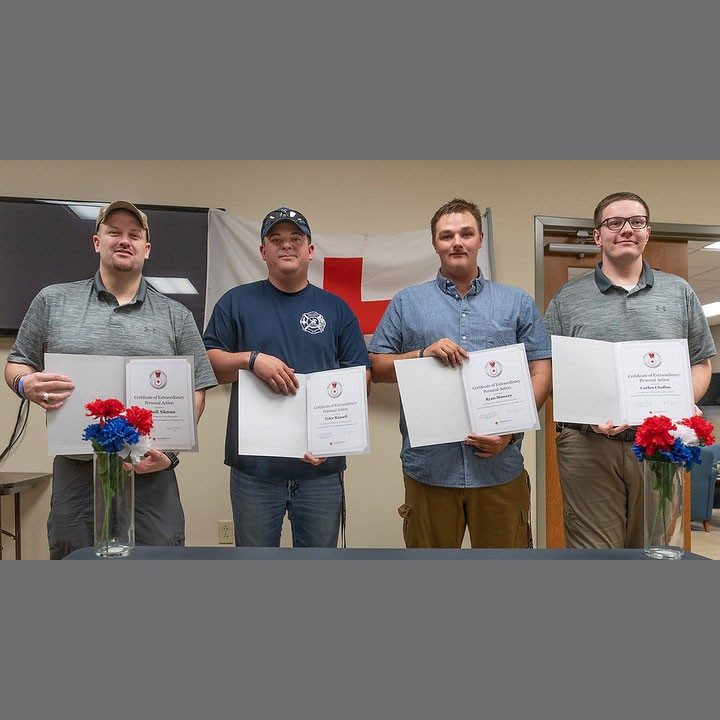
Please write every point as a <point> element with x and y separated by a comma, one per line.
<point>493,368</point>
<point>158,379</point>
<point>652,359</point>
<point>312,322</point>
<point>334,389</point>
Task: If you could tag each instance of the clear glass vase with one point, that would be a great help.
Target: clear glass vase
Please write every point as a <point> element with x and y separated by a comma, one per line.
<point>664,519</point>
<point>114,488</point>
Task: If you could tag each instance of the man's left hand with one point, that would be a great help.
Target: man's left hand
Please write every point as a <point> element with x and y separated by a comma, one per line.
<point>608,429</point>
<point>488,445</point>
<point>153,461</point>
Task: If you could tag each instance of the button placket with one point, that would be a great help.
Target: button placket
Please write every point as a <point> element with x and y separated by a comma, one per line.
<point>464,325</point>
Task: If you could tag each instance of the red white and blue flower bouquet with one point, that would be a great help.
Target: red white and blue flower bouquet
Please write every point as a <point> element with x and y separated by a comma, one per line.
<point>119,438</point>
<point>667,449</point>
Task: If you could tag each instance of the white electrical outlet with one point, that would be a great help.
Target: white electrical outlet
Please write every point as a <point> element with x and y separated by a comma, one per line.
<point>226,532</point>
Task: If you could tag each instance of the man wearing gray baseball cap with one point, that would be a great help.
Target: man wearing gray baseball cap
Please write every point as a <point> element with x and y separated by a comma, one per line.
<point>114,313</point>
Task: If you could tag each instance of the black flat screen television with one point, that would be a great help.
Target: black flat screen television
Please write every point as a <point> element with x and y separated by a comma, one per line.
<point>43,242</point>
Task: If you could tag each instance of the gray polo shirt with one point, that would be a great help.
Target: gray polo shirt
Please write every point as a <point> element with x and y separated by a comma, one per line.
<point>83,318</point>
<point>661,306</point>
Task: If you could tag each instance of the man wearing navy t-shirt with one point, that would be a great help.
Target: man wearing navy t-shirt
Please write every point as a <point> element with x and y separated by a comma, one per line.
<point>275,328</point>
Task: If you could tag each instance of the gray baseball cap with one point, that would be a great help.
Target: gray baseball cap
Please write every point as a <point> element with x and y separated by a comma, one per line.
<point>123,205</point>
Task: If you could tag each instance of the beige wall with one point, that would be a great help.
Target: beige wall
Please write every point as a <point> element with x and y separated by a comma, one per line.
<point>342,197</point>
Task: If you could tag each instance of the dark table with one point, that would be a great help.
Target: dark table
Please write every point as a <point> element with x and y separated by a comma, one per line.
<point>232,553</point>
<point>14,483</point>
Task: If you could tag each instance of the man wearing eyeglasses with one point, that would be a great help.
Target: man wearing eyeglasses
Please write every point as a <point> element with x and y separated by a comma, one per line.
<point>624,299</point>
<point>275,328</point>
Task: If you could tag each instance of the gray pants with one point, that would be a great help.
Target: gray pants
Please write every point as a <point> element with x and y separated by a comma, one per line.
<point>602,488</point>
<point>159,517</point>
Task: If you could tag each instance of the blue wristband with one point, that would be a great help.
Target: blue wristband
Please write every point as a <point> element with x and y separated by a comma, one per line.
<point>20,389</point>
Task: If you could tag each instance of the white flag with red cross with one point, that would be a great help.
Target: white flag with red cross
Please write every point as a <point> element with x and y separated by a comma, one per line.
<point>364,270</point>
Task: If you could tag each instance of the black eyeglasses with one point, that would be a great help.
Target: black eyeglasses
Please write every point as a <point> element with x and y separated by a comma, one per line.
<point>637,222</point>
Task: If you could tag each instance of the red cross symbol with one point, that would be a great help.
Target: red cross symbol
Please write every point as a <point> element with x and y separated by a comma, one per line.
<point>343,277</point>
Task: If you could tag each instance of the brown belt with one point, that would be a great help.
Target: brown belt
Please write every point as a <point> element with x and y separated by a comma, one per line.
<point>626,435</point>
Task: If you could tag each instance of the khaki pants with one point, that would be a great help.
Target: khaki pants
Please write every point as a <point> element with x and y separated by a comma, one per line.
<point>496,517</point>
<point>602,488</point>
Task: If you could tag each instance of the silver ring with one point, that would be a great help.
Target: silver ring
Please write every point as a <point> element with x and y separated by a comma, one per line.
<point>46,397</point>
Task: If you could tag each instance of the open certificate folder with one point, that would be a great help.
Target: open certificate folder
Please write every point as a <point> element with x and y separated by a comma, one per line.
<point>161,384</point>
<point>489,394</point>
<point>328,415</point>
<point>625,382</point>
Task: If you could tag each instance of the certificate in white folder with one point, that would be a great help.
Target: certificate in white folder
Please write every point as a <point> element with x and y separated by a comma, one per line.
<point>489,394</point>
<point>171,398</point>
<point>595,381</point>
<point>327,416</point>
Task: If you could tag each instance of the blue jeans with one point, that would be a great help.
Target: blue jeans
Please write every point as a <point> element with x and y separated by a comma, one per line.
<point>259,506</point>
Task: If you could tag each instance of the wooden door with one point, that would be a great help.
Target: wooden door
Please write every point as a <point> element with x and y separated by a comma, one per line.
<point>662,253</point>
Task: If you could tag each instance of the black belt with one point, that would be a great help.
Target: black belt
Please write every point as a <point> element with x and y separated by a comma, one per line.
<point>626,435</point>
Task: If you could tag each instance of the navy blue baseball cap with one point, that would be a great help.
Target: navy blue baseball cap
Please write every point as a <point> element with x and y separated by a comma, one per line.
<point>284,214</point>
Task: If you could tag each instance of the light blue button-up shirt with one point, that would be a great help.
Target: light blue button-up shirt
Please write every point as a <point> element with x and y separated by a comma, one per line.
<point>490,315</point>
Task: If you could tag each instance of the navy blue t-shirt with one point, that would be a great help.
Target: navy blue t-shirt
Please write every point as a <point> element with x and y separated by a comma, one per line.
<point>309,331</point>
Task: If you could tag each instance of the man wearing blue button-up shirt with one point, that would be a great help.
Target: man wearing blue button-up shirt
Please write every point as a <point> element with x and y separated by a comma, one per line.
<point>480,483</point>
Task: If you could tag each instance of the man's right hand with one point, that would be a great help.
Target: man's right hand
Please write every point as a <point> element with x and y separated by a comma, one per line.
<point>276,374</point>
<point>448,352</point>
<point>48,390</point>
